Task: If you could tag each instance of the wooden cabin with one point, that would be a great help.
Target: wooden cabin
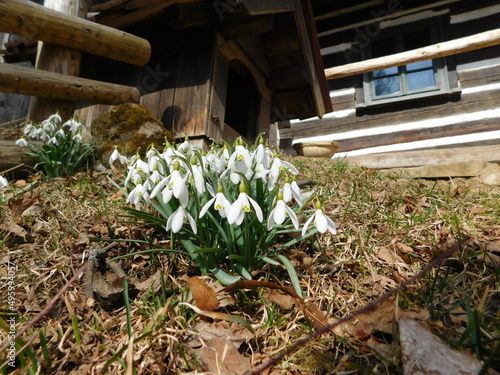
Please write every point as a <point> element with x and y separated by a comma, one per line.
<point>411,82</point>
<point>215,69</point>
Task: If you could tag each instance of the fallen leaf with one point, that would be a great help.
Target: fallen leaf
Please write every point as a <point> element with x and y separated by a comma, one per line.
<point>283,300</point>
<point>203,295</point>
<point>221,316</point>
<point>217,350</point>
<point>16,230</point>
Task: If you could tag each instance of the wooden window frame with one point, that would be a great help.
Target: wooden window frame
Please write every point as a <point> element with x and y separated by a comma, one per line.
<point>444,69</point>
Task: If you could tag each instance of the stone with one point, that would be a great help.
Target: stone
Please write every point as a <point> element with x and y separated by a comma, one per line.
<point>471,168</point>
<point>424,353</point>
<point>490,174</point>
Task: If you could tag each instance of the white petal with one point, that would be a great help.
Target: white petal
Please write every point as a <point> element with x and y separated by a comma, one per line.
<point>292,216</point>
<point>321,222</point>
<point>205,208</point>
<point>258,210</point>
<point>306,225</point>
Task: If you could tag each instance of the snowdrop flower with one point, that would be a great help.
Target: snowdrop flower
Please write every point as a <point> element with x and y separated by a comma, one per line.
<point>277,167</point>
<point>197,177</point>
<point>73,125</point>
<point>261,154</point>
<point>77,138</point>
<point>21,142</point>
<point>48,127</point>
<point>3,182</point>
<point>31,131</point>
<point>321,221</point>
<point>292,190</point>
<point>138,193</point>
<point>280,212</point>
<point>220,203</point>
<point>54,118</point>
<point>239,163</point>
<point>178,218</point>
<point>115,155</point>
<point>52,141</point>
<point>174,184</point>
<point>241,206</point>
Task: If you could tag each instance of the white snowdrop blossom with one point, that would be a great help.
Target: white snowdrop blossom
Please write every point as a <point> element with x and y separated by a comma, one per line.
<point>21,142</point>
<point>178,218</point>
<point>115,155</point>
<point>220,204</point>
<point>320,221</point>
<point>243,205</point>
<point>3,182</point>
<point>280,212</point>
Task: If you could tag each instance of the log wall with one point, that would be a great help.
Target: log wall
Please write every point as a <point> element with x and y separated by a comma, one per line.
<point>469,117</point>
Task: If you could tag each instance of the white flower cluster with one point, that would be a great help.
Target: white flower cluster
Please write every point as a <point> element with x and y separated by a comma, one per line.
<point>50,131</point>
<point>185,171</point>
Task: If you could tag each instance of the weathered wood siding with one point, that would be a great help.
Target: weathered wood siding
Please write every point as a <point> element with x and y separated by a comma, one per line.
<point>469,117</point>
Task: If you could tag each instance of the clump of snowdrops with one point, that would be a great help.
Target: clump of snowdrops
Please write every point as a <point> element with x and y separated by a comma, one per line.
<point>62,151</point>
<point>226,207</point>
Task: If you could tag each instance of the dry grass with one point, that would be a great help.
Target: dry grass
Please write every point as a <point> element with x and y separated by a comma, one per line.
<point>389,228</point>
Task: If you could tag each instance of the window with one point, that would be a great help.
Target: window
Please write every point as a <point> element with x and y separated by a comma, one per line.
<point>416,80</point>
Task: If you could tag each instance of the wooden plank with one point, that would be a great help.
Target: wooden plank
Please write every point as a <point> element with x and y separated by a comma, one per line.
<point>218,92</point>
<point>58,59</point>
<point>472,103</point>
<point>259,7</point>
<point>31,20</point>
<point>419,135</point>
<point>306,34</point>
<point>12,156</point>
<point>452,47</point>
<point>418,158</point>
<point>27,81</point>
<point>193,86</point>
<point>142,14</point>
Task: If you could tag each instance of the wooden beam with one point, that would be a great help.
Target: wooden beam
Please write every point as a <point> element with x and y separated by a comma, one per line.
<point>58,59</point>
<point>141,14</point>
<point>27,81</point>
<point>31,20</point>
<point>259,7</point>
<point>452,47</point>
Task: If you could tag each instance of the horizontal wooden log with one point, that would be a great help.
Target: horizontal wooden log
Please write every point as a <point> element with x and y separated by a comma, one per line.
<point>28,81</point>
<point>33,21</point>
<point>13,158</point>
<point>452,47</point>
<point>418,158</point>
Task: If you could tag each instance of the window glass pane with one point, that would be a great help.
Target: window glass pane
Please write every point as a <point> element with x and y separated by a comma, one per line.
<point>386,86</point>
<point>421,80</point>
<point>385,72</point>
<point>419,65</point>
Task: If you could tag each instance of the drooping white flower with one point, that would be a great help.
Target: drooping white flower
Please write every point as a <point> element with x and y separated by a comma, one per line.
<point>178,218</point>
<point>220,203</point>
<point>74,125</point>
<point>277,167</point>
<point>138,193</point>
<point>280,212</point>
<point>77,138</point>
<point>21,142</point>
<point>115,155</point>
<point>54,118</point>
<point>292,190</point>
<point>321,221</point>
<point>243,205</point>
<point>3,182</point>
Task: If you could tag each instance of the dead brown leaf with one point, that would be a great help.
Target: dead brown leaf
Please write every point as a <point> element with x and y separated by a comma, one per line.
<point>203,295</point>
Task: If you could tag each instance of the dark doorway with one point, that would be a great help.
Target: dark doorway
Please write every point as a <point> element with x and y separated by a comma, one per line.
<point>242,101</point>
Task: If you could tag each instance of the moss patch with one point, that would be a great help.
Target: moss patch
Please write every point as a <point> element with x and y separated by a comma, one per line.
<point>130,126</point>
